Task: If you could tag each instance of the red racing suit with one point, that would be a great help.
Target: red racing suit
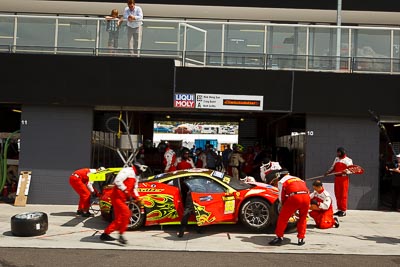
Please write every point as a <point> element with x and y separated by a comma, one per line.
<point>79,181</point>
<point>341,180</point>
<point>169,161</point>
<point>183,164</point>
<point>324,216</point>
<point>293,195</point>
<point>201,160</point>
<point>126,183</point>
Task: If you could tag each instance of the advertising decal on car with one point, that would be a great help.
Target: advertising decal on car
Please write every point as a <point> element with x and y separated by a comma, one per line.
<point>161,205</point>
<point>218,174</point>
<point>229,204</point>
<point>147,190</point>
<point>202,216</point>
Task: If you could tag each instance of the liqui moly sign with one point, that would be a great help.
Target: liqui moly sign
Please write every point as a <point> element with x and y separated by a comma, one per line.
<point>184,100</point>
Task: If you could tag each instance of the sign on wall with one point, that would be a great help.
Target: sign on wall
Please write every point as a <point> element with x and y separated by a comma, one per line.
<point>218,101</point>
<point>184,100</point>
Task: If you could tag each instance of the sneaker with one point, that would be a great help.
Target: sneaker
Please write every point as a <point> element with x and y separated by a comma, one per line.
<point>342,214</point>
<point>86,214</point>
<point>122,240</point>
<point>106,237</point>
<point>79,212</point>
<point>336,222</point>
<point>181,232</point>
<point>337,213</point>
<point>301,242</point>
<point>276,241</point>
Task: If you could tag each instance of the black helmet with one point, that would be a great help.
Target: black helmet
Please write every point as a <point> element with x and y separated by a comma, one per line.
<point>266,162</point>
<point>341,150</point>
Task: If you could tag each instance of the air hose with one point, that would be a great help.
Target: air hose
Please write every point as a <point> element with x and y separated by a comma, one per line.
<point>3,161</point>
<point>119,130</point>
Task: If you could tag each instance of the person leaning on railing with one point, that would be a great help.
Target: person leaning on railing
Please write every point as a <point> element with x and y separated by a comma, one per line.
<point>134,16</point>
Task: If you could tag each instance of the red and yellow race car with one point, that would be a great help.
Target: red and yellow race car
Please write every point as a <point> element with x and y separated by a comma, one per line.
<point>217,198</point>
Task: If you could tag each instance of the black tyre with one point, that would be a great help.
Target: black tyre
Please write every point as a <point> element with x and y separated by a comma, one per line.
<point>256,214</point>
<point>29,224</point>
<point>137,218</point>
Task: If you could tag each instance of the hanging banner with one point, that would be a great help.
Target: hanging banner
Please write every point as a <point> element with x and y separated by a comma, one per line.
<point>233,102</point>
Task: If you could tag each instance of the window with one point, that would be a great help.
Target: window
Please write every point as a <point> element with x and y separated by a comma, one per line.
<point>204,185</point>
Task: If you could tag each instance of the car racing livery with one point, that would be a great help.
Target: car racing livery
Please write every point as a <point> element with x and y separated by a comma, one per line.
<point>217,198</point>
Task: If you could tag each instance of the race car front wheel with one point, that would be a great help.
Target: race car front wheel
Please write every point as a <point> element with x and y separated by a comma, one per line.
<point>256,214</point>
<point>137,218</point>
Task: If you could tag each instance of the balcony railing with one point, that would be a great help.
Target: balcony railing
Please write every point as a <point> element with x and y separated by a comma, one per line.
<point>213,43</point>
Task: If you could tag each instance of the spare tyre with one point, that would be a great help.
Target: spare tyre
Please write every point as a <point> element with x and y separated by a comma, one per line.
<point>29,224</point>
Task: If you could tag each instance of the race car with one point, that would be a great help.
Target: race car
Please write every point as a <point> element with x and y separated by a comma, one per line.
<point>217,198</point>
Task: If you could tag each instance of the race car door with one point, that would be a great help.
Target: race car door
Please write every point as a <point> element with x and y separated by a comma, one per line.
<point>211,204</point>
<point>160,201</point>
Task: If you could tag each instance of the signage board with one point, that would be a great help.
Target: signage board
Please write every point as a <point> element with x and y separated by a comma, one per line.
<point>232,102</point>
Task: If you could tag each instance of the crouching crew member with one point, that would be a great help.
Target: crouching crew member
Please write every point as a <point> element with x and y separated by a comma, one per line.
<point>79,181</point>
<point>294,196</point>
<point>321,207</point>
<point>125,189</point>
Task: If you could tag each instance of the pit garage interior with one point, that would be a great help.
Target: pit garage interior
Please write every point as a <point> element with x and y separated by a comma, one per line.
<point>65,98</point>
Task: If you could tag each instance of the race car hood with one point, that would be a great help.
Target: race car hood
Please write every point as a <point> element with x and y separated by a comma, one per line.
<point>264,190</point>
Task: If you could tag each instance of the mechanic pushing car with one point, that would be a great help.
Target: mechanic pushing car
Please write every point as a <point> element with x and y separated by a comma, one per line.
<point>293,196</point>
<point>125,189</point>
<point>79,181</point>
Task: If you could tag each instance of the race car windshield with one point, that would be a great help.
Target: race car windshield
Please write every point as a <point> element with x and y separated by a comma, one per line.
<point>234,183</point>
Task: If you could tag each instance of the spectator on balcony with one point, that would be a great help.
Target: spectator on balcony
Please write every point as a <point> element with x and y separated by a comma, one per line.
<point>134,16</point>
<point>113,24</point>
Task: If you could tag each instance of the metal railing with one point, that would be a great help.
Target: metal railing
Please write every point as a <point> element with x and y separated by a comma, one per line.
<point>213,43</point>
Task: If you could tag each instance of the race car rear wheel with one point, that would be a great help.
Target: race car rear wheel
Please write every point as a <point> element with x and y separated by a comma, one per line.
<point>137,218</point>
<point>256,214</point>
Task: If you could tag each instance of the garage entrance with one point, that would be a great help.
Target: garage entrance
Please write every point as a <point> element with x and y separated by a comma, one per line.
<point>275,135</point>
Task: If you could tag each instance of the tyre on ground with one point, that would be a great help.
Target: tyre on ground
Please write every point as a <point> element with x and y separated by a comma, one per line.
<point>29,224</point>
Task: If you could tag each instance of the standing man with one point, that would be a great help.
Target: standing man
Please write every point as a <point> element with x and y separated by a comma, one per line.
<point>201,159</point>
<point>169,161</point>
<point>134,16</point>
<point>395,173</point>
<point>211,157</point>
<point>321,207</point>
<point>293,196</point>
<point>185,161</point>
<point>339,167</point>
<point>125,188</point>
<point>226,154</point>
<point>79,181</point>
<point>236,160</point>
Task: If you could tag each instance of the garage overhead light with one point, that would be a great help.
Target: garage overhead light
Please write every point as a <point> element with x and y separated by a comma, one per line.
<point>165,42</point>
<point>64,24</point>
<point>396,125</point>
<point>16,110</point>
<point>253,45</point>
<point>6,37</point>
<point>168,117</point>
